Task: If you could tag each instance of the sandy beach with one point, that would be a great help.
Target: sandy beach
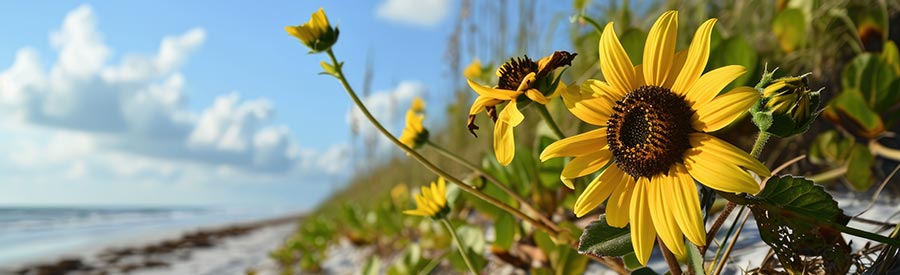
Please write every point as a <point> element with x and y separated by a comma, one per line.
<point>231,249</point>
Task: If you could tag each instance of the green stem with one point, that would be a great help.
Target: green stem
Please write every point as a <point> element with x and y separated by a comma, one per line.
<point>465,187</point>
<point>760,143</point>
<point>522,202</point>
<point>592,22</point>
<point>462,249</point>
<point>550,122</point>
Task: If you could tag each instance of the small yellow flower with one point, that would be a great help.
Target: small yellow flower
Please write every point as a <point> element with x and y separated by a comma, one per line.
<point>474,70</point>
<point>414,134</point>
<point>652,138</point>
<point>432,202</point>
<point>517,77</point>
<point>316,34</point>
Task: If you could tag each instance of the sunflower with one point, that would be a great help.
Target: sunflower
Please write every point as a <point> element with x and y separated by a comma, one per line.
<point>414,134</point>
<point>432,202</point>
<point>653,141</point>
<point>522,81</point>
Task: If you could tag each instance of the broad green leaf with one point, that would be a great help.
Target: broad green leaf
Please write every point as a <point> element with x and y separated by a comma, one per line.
<point>633,43</point>
<point>789,27</point>
<point>631,261</point>
<point>829,148</point>
<point>563,259</point>
<point>891,56</point>
<point>859,168</point>
<point>734,51</point>
<point>601,239</point>
<point>505,231</point>
<point>796,217</point>
<point>871,75</point>
<point>850,103</point>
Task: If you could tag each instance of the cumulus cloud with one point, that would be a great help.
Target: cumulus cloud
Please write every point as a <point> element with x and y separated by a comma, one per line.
<point>131,117</point>
<point>425,13</point>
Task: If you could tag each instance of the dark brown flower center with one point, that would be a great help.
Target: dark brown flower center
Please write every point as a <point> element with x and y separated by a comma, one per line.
<point>648,131</point>
<point>513,72</point>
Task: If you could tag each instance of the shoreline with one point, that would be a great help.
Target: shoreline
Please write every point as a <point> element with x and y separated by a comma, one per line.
<point>165,254</point>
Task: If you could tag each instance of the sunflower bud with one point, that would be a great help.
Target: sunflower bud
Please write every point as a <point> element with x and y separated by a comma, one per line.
<point>317,34</point>
<point>787,106</point>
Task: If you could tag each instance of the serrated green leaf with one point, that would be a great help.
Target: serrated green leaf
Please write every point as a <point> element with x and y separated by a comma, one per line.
<point>601,239</point>
<point>859,167</point>
<point>797,217</point>
<point>789,27</point>
<point>801,196</point>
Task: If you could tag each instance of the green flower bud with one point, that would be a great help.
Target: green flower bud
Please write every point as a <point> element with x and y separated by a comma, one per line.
<point>787,106</point>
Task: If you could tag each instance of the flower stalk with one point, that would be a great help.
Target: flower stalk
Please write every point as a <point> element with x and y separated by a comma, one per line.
<point>462,249</point>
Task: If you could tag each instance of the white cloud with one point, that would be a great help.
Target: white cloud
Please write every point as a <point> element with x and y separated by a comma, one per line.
<point>389,108</point>
<point>426,13</point>
<point>88,118</point>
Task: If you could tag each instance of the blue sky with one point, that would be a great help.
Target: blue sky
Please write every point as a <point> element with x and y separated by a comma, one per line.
<point>174,102</point>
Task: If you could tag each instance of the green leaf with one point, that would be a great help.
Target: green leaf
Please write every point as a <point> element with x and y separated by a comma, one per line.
<point>372,266</point>
<point>505,231</point>
<point>789,27</point>
<point>871,75</point>
<point>859,167</point>
<point>850,103</point>
<point>734,51</point>
<point>473,240</point>
<point>644,271</point>
<point>695,260</point>
<point>601,239</point>
<point>891,56</point>
<point>797,217</point>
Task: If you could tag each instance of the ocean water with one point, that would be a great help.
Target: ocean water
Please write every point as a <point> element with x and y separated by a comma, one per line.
<point>40,234</point>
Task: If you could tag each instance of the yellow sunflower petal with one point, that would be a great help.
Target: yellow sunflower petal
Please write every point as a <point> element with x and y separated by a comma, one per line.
<point>504,144</point>
<point>697,56</point>
<point>577,145</point>
<point>686,208</point>
<point>639,79</point>
<point>614,62</point>
<point>716,166</point>
<point>728,153</point>
<point>481,102</point>
<point>618,206</point>
<point>724,109</point>
<point>642,233</point>
<point>677,64</point>
<point>660,204</point>
<point>584,165</point>
<point>537,96</point>
<point>709,84</point>
<point>416,212</point>
<point>486,91</point>
<point>660,49</point>
<point>598,190</point>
